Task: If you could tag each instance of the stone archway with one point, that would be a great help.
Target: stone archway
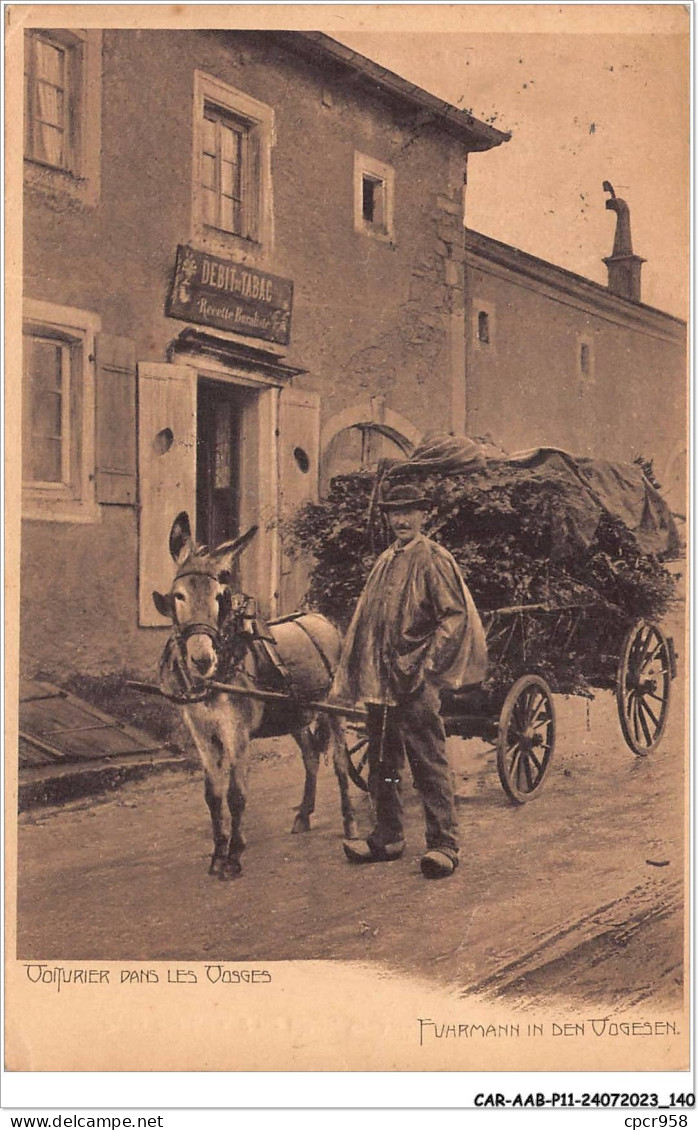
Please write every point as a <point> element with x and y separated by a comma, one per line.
<point>359,437</point>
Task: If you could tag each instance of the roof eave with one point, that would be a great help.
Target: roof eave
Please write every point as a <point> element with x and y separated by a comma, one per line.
<point>477,136</point>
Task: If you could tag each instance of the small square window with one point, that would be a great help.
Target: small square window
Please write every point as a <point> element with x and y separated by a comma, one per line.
<point>373,197</point>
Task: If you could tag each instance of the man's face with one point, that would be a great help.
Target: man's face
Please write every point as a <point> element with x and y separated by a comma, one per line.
<point>406,524</point>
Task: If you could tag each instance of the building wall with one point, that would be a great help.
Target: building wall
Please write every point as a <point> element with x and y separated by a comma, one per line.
<point>370,319</point>
<point>526,388</point>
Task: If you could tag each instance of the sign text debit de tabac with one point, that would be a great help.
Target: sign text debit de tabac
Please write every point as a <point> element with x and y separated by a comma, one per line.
<point>230,296</point>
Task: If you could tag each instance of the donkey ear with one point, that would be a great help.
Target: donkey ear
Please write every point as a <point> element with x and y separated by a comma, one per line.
<point>163,604</point>
<point>181,544</point>
<point>224,555</point>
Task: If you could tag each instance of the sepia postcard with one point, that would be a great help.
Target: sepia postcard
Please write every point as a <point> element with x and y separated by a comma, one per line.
<point>346,538</point>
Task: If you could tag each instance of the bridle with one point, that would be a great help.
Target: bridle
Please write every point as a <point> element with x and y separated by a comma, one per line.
<point>229,640</point>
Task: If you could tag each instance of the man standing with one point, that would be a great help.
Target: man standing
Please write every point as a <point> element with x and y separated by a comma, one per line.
<point>415,631</point>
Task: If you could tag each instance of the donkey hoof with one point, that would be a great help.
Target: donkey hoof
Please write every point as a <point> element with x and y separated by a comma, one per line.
<point>231,869</point>
<point>300,824</point>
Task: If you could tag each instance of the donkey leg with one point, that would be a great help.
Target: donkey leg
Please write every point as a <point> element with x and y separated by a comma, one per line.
<point>235,739</point>
<point>214,800</point>
<point>339,760</point>
<point>311,760</point>
<point>237,800</point>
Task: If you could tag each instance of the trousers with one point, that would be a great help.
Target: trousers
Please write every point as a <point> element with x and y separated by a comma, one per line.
<point>412,730</point>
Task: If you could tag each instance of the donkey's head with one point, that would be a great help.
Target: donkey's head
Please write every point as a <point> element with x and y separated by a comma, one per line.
<point>200,600</point>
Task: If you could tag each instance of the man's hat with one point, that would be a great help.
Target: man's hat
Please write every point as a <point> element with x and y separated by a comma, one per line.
<point>404,497</point>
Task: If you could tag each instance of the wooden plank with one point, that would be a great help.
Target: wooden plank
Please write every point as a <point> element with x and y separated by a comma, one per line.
<point>31,690</point>
<point>51,750</point>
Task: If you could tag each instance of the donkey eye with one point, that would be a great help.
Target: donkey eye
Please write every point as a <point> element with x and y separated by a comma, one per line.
<point>179,596</point>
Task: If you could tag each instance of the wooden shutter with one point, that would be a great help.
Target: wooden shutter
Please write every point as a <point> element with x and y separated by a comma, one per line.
<point>115,394</point>
<point>167,470</point>
<point>299,455</point>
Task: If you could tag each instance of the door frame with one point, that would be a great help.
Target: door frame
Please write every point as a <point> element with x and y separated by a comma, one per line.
<point>261,565</point>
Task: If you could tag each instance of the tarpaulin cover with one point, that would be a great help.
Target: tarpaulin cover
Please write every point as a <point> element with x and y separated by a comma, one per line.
<point>591,486</point>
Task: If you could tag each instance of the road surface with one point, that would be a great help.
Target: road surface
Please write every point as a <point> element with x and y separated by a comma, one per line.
<point>577,895</point>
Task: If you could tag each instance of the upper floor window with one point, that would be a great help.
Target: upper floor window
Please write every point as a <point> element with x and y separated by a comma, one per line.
<point>58,412</point>
<point>232,167</point>
<point>374,191</point>
<point>52,76</point>
<point>61,124</point>
<point>585,357</point>
<point>483,327</point>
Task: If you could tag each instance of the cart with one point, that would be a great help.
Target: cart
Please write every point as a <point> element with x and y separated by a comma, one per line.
<point>537,650</point>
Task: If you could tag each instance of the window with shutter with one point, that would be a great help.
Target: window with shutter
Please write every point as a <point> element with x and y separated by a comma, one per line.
<point>58,413</point>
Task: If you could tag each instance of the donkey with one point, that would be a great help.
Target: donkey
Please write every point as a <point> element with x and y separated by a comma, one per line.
<point>213,638</point>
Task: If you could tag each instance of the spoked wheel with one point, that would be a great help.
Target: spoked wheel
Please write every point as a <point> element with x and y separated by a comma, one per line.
<point>643,688</point>
<point>526,738</point>
<point>357,763</point>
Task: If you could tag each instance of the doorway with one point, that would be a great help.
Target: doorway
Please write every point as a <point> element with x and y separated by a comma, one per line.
<point>220,412</point>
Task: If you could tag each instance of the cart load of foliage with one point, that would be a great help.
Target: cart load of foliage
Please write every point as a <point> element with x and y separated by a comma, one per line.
<point>584,540</point>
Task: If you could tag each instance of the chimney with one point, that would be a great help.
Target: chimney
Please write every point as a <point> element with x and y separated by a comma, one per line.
<point>623,267</point>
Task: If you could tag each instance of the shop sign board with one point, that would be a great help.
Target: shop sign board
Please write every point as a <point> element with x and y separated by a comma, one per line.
<point>212,291</point>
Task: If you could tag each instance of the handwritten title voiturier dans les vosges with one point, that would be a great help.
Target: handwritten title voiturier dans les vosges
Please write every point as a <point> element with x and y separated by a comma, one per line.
<point>41,973</point>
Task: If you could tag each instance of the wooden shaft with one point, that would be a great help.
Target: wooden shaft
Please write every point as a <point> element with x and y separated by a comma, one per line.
<point>265,696</point>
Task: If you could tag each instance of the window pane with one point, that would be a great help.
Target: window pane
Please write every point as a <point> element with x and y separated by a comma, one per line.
<point>221,455</point>
<point>208,171</point>
<point>46,415</point>
<point>44,362</point>
<point>48,144</point>
<point>50,62</point>
<point>209,137</point>
<point>230,215</point>
<point>230,179</point>
<point>45,461</point>
<point>230,144</point>
<point>209,207</point>
<point>50,104</point>
<point>43,410</point>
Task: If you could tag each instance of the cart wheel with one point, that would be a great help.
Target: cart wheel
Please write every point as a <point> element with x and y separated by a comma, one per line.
<point>643,687</point>
<point>357,764</point>
<point>526,738</point>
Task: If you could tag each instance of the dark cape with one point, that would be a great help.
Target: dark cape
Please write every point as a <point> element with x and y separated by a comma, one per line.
<point>415,622</point>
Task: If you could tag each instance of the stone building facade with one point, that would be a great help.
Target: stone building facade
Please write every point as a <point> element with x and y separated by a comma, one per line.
<point>553,359</point>
<point>244,271</point>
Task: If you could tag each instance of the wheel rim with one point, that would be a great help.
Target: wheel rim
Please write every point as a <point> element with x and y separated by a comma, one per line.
<point>526,738</point>
<point>357,764</point>
<point>643,687</point>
